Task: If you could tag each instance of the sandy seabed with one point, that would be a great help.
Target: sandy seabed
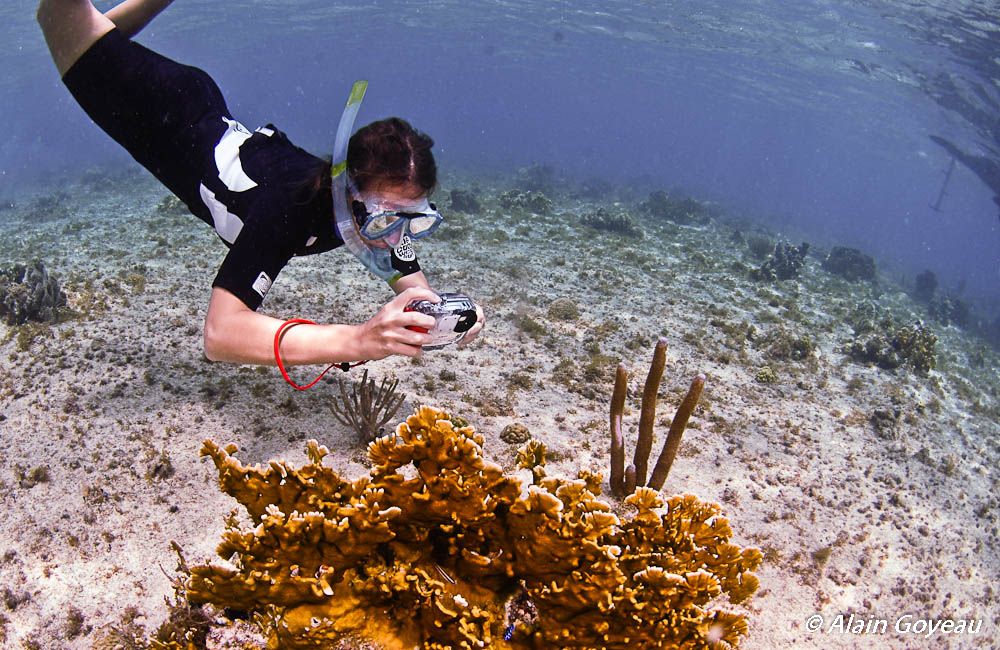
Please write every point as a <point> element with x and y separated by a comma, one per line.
<point>102,415</point>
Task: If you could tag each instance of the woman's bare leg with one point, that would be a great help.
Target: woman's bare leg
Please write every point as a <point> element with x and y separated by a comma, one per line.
<point>72,26</point>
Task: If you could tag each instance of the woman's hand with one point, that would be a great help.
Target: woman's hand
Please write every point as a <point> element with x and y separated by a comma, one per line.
<point>476,329</point>
<point>386,333</point>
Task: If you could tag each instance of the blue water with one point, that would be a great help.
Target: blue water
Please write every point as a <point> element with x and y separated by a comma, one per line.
<point>811,116</point>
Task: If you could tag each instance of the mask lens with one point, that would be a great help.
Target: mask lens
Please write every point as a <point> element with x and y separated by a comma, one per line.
<point>381,224</point>
<point>378,220</point>
<point>424,223</point>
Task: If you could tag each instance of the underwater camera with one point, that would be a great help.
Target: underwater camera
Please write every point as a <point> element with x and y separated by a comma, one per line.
<point>454,316</point>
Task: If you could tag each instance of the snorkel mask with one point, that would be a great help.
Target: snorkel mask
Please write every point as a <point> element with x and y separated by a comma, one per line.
<point>380,219</point>
<point>376,259</point>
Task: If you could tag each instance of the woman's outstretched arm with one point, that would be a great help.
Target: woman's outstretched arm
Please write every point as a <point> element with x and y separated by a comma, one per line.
<point>132,15</point>
<point>235,333</point>
<point>72,26</point>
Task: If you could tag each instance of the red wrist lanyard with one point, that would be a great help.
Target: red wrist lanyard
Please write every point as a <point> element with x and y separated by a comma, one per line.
<point>345,366</point>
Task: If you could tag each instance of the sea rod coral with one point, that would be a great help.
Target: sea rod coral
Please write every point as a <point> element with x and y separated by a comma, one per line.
<point>366,407</point>
<point>440,549</point>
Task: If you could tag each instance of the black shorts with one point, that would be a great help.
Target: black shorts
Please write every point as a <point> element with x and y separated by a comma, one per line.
<point>168,116</point>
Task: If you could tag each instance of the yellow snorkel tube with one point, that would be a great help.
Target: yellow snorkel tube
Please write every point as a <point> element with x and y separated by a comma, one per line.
<point>375,259</point>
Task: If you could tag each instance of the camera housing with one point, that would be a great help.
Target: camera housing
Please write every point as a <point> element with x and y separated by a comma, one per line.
<point>454,316</point>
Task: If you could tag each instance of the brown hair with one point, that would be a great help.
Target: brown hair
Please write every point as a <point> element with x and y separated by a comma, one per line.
<point>391,150</point>
<point>387,150</point>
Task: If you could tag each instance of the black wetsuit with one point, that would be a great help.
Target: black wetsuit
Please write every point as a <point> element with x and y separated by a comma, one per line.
<point>173,120</point>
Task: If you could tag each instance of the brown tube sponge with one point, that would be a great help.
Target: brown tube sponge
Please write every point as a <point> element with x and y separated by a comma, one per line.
<point>647,416</point>
<point>617,437</point>
<point>630,479</point>
<point>677,427</point>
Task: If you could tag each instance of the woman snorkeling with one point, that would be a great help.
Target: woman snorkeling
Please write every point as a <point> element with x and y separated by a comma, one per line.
<point>266,198</point>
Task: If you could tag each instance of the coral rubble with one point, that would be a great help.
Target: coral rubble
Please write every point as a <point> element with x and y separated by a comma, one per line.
<point>28,292</point>
<point>766,375</point>
<point>564,309</point>
<point>886,422</point>
<point>170,205</point>
<point>780,343</point>
<point>440,549</point>
<point>891,348</point>
<point>515,434</point>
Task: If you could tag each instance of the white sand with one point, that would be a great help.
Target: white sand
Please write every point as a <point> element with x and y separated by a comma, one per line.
<point>108,402</point>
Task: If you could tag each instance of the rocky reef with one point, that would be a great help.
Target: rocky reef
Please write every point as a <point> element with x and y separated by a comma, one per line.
<point>662,206</point>
<point>533,202</point>
<point>759,246</point>
<point>945,309</point>
<point>925,286</point>
<point>949,310</point>
<point>465,201</point>
<point>28,292</point>
<point>620,223</point>
<point>539,178</point>
<point>850,264</point>
<point>784,264</point>
<point>440,549</point>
